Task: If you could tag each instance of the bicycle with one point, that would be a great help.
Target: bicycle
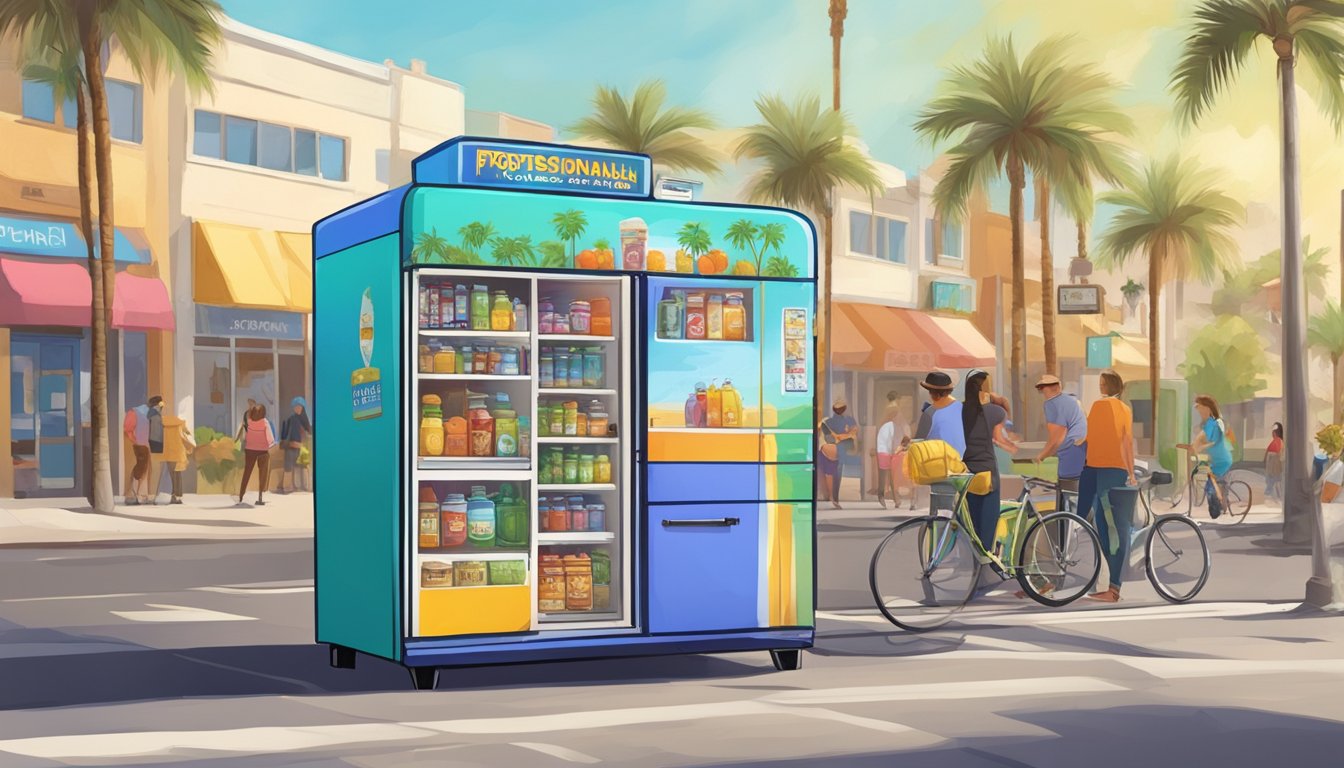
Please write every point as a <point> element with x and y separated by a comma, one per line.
<point>927,568</point>
<point>1176,557</point>
<point>1235,494</point>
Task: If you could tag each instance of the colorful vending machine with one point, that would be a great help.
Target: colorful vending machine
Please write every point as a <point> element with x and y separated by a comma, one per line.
<point>580,418</point>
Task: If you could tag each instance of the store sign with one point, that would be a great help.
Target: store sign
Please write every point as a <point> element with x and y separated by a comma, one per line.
<point>249,323</point>
<point>1099,351</point>
<point>1080,299</point>
<point>952,297</point>
<point>907,361</point>
<point>536,167</point>
<point>46,237</point>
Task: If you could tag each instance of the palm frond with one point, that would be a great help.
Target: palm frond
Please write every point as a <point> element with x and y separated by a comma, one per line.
<point>642,124</point>
<point>159,36</point>
<point>1214,52</point>
<point>1322,48</point>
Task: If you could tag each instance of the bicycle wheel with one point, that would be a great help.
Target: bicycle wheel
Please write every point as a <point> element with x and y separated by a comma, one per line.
<point>1237,493</point>
<point>1058,564</point>
<point>923,572</point>
<point>1176,558</point>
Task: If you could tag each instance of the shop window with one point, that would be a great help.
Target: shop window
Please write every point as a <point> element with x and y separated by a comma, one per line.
<point>255,384</point>
<point>951,245</point>
<point>39,101</point>
<point>240,140</point>
<point>275,151</point>
<point>266,344</point>
<point>124,109</point>
<point>305,152</point>
<point>135,368</point>
<point>860,233</point>
<point>293,383</point>
<point>332,157</point>
<point>211,341</point>
<point>209,133</point>
<point>213,391</point>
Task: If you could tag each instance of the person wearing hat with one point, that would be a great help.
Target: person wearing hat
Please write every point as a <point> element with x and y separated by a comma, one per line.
<point>942,419</point>
<point>1066,434</point>
<point>839,436</point>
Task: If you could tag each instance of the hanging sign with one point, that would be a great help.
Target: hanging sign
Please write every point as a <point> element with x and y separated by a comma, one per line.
<point>540,167</point>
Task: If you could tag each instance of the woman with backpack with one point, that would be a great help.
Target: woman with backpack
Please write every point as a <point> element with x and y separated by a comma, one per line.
<point>258,439</point>
<point>981,419</point>
<point>1214,439</point>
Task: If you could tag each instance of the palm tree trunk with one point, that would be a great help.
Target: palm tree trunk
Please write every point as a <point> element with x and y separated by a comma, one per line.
<point>838,10</point>
<point>91,40</point>
<point>1047,280</point>
<point>1082,240</point>
<point>1155,260</point>
<point>824,323</point>
<point>101,492</point>
<point>1301,507</point>
<point>1339,391</point>
<point>1017,183</point>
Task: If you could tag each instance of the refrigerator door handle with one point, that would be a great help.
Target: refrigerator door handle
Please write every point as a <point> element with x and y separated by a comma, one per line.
<point>719,522</point>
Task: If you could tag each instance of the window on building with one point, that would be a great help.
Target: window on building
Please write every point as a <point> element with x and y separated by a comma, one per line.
<point>69,113</point>
<point>124,110</point>
<point>951,245</point>
<point>274,151</point>
<point>331,155</point>
<point>928,242</point>
<point>860,233</point>
<point>305,152</point>
<point>240,140</point>
<point>39,102</point>
<point>209,135</point>
<point>382,160</point>
<point>891,239</point>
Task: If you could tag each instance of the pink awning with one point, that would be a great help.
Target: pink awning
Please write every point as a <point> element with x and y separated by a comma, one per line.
<point>141,304</point>
<point>44,293</point>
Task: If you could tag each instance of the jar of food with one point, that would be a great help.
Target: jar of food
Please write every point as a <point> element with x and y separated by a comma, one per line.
<point>495,362</point>
<point>470,573</point>
<point>734,318</point>
<point>714,317</point>
<point>597,424</point>
<point>580,317</point>
<point>560,376</point>
<point>429,518</point>
<point>431,425</point>
<point>508,362</point>
<point>580,424</point>
<point>571,468</point>
<point>453,520</point>
<point>602,470</point>
<point>561,323</point>
<point>576,368</point>
<point>571,418</point>
<point>506,433</point>
<point>427,359</point>
<point>501,312</point>
<point>593,364</point>
<point>465,356</point>
<point>480,361</point>
<point>481,427</point>
<point>545,316</point>
<point>445,360</point>
<point>435,574</point>
<point>597,517</point>
<point>586,468</point>
<point>557,418</point>
<point>578,518</point>
<point>455,436</point>
<point>557,516</point>
<point>546,373</point>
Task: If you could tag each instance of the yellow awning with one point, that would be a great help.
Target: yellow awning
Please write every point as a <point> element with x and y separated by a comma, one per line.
<point>252,268</point>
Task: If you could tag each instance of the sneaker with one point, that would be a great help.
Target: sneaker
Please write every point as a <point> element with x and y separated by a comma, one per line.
<point>175,500</point>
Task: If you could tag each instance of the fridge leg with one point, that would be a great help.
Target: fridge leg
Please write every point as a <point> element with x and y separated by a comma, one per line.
<point>787,660</point>
<point>342,658</point>
<point>424,678</point>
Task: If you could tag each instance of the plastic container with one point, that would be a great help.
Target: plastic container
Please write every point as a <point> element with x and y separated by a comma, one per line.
<point>575,368</point>
<point>602,470</point>
<point>453,520</point>
<point>714,318</point>
<point>578,518</point>
<point>560,375</point>
<point>519,315</point>
<point>580,317</point>
<point>557,516</point>
<point>431,425</point>
<point>427,359</point>
<point>546,371</point>
<point>511,518</point>
<point>480,308</point>
<point>571,418</point>
<point>455,439</point>
<point>593,364</point>
<point>597,424</point>
<point>445,360</point>
<point>480,518</point>
<point>571,474</point>
<point>585,470</point>
<point>545,316</point>
<point>506,433</point>
<point>734,318</point>
<point>557,419</point>
<point>731,406</point>
<point>601,308</point>
<point>561,323</point>
<point>634,243</point>
<point>501,312</point>
<point>597,517</point>
<point>508,362</point>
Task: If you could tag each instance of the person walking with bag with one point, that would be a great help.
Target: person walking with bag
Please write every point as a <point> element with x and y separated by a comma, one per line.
<point>1109,466</point>
<point>839,433</point>
<point>293,431</point>
<point>258,439</point>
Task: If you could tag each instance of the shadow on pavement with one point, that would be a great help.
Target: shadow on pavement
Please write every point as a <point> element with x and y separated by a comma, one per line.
<point>288,670</point>
<point>1122,737</point>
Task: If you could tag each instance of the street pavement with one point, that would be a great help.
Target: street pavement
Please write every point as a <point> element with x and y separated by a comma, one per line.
<point>164,650</point>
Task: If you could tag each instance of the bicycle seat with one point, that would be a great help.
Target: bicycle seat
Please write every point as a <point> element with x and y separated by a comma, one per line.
<point>1160,478</point>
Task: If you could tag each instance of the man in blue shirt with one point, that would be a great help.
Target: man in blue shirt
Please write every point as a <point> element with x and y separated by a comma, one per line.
<point>1066,428</point>
<point>839,433</point>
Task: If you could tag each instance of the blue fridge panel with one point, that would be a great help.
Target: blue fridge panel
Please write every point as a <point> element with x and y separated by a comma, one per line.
<point>704,567</point>
<point>703,482</point>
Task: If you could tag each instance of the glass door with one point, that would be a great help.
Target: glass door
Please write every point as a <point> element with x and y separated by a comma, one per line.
<point>44,413</point>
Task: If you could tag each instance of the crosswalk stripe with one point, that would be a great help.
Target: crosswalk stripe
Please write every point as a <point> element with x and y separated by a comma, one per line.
<point>179,613</point>
<point>558,752</point>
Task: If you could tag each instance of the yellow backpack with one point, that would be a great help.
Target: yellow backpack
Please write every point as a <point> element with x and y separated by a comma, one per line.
<point>932,461</point>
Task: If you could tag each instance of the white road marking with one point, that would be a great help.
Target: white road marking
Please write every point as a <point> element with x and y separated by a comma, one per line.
<point>1088,616</point>
<point>73,597</point>
<point>1185,669</point>
<point>254,591</point>
<point>974,689</point>
<point>179,613</point>
<point>558,752</point>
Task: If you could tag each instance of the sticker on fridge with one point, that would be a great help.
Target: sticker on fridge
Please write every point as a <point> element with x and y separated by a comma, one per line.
<point>796,375</point>
<point>366,386</point>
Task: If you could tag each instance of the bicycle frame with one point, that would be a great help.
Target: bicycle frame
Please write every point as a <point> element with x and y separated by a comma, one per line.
<point>1024,514</point>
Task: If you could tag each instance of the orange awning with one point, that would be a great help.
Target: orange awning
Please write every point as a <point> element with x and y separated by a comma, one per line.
<point>871,337</point>
<point>958,343</point>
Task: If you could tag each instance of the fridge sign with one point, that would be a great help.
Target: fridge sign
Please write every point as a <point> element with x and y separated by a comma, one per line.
<point>536,167</point>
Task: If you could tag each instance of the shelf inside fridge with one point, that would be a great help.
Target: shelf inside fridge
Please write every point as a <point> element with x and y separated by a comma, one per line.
<point>474,463</point>
<point>576,537</point>
<point>472,377</point>
<point>576,440</point>
<point>453,333</point>
<point>574,338</point>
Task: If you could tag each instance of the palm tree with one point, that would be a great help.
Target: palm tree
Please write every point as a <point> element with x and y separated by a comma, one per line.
<point>514,251</point>
<point>569,226</point>
<point>772,236</point>
<point>430,247</point>
<point>1012,115</point>
<point>838,11</point>
<point>1173,215</point>
<point>474,236</point>
<point>1224,33</point>
<point>694,238</point>
<point>553,255</point>
<point>642,124</point>
<point>806,157</point>
<point>155,36</point>
<point>742,235</point>
<point>1325,334</point>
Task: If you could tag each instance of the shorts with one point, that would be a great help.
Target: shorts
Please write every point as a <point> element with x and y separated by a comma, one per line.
<point>291,459</point>
<point>884,461</point>
<point>141,461</point>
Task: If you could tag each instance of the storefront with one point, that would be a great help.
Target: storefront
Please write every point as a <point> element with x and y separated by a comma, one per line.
<point>45,350</point>
<point>253,294</point>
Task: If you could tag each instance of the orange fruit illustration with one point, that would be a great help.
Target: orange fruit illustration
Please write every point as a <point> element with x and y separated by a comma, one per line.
<point>707,265</point>
<point>684,262</point>
<point>744,268</point>
<point>586,260</point>
<point>720,260</point>
<point>657,261</point>
<point>606,259</point>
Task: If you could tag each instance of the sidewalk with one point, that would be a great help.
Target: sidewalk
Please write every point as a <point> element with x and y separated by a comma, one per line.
<point>29,522</point>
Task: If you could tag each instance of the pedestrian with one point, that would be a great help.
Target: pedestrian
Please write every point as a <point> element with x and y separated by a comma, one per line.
<point>177,448</point>
<point>877,490</point>
<point>941,420</point>
<point>1215,439</point>
<point>1066,435</point>
<point>136,427</point>
<point>839,436</point>
<point>980,418</point>
<point>1274,464</point>
<point>892,439</point>
<point>1109,465</point>
<point>258,439</point>
<point>295,429</point>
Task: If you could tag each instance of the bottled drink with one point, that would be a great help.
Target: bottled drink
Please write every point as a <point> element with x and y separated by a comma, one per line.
<point>429,518</point>
<point>431,426</point>
<point>461,300</point>
<point>701,405</point>
<point>480,308</point>
<point>501,314</point>
<point>545,316</point>
<point>586,468</point>
<point>519,315</point>
<point>713,407</point>
<point>732,405</point>
<point>453,520</point>
<point>481,426</point>
<point>734,318</point>
<point>714,317</point>
<point>480,518</point>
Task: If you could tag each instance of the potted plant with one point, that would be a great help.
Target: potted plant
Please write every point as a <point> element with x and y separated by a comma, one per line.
<point>219,461</point>
<point>1132,291</point>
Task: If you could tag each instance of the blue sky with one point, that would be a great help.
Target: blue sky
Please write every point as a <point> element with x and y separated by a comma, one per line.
<point>541,59</point>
